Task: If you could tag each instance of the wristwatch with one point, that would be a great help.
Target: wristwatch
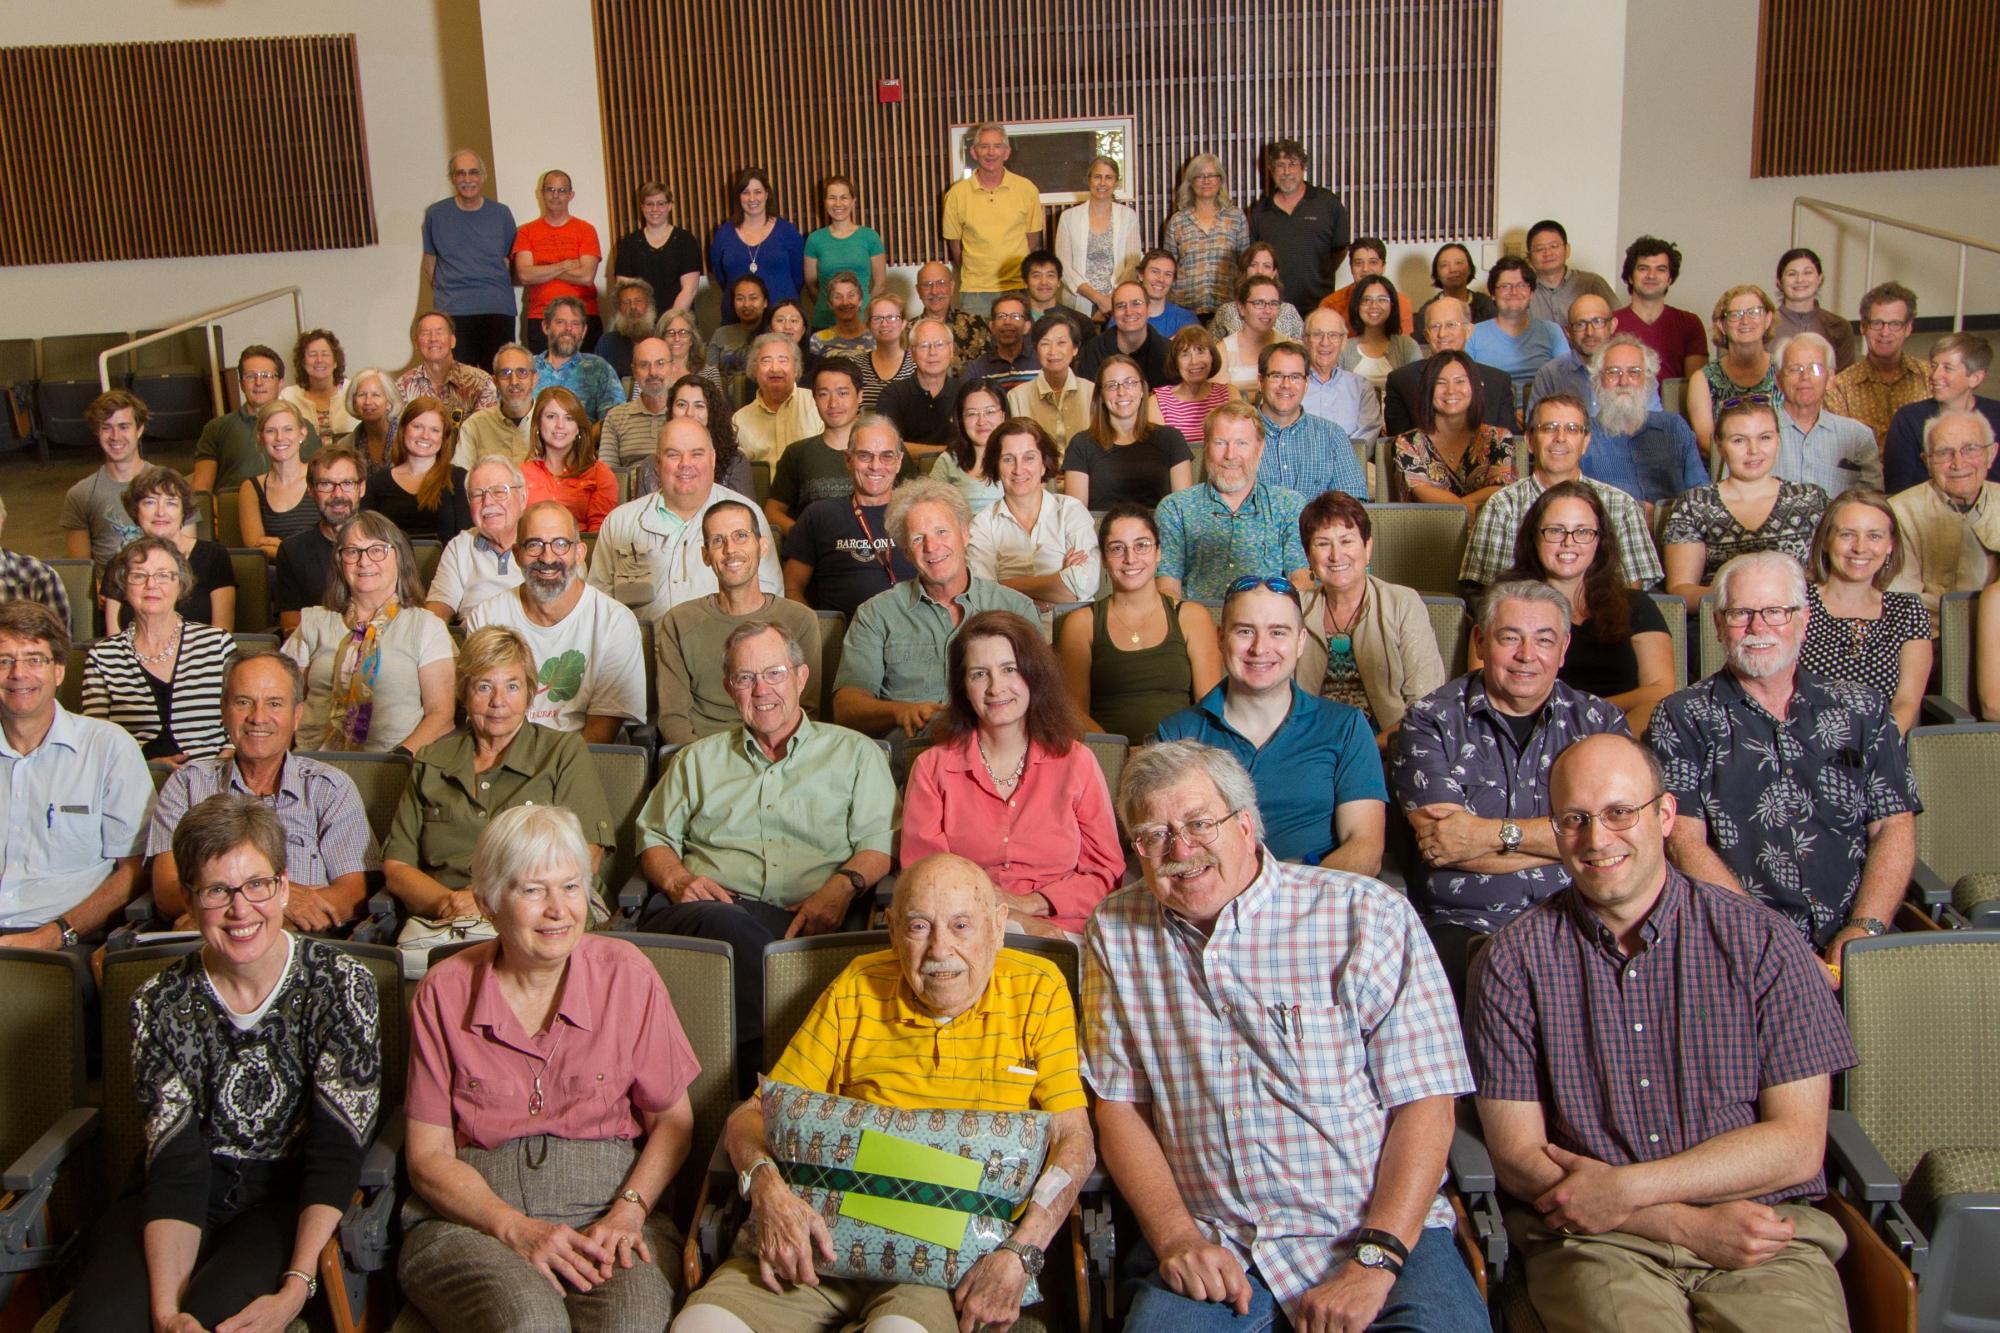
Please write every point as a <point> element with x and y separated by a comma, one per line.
<point>633,1196</point>
<point>749,1173</point>
<point>1031,1256</point>
<point>1375,1248</point>
<point>1510,836</point>
<point>854,877</point>
<point>1872,924</point>
<point>70,939</point>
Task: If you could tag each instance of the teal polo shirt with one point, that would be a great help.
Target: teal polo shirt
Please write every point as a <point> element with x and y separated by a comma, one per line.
<point>1322,757</point>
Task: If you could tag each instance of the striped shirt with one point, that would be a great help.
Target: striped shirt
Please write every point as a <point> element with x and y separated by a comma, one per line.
<point>1489,550</point>
<point>326,827</point>
<point>1642,1057</point>
<point>1272,1053</point>
<point>119,690</point>
<point>1014,1050</point>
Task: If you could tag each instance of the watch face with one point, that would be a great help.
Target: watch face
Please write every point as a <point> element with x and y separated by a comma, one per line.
<point>1369,1255</point>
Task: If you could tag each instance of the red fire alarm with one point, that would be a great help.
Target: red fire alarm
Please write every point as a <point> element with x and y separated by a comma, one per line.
<point>888,90</point>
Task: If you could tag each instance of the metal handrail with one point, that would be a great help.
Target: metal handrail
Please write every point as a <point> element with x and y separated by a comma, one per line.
<point>1874,220</point>
<point>206,320</point>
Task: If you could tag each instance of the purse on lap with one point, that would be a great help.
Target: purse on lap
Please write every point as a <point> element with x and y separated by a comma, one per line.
<point>909,1196</point>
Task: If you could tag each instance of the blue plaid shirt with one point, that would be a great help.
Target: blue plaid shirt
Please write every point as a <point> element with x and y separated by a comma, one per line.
<point>1310,456</point>
<point>1207,546</point>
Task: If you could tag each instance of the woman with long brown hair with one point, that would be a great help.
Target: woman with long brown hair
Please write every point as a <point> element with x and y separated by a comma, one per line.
<point>420,491</point>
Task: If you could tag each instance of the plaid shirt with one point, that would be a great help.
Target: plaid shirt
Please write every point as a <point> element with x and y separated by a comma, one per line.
<point>1207,545</point>
<point>1455,749</point>
<point>25,578</point>
<point>1205,276</point>
<point>588,376</point>
<point>1642,1057</point>
<point>1787,803</point>
<point>1489,551</point>
<point>1271,1054</point>
<point>1310,456</point>
<point>326,827</point>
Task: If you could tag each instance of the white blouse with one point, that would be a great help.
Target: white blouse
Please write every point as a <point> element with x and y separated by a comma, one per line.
<point>1000,548</point>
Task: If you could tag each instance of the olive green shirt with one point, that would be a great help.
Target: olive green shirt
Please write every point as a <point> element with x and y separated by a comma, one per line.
<point>689,640</point>
<point>895,649</point>
<point>772,830</point>
<point>447,805</point>
<point>230,442</point>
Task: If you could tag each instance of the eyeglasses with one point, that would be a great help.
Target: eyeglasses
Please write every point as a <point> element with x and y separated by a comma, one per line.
<point>1123,385</point>
<point>534,546</point>
<point>1622,374</point>
<point>1811,372</point>
<point>1617,818</point>
<point>1010,316</point>
<point>259,890</point>
<point>1286,377</point>
<point>1499,287</point>
<point>517,373</point>
<point>1744,315</point>
<point>557,189</point>
<point>1561,536</point>
<point>485,493</point>
<point>683,334</point>
<point>1595,324</point>
<point>1142,547</point>
<point>1441,325</point>
<point>146,578</point>
<point>1152,842</point>
<point>32,661</point>
<point>1375,298</point>
<point>885,319</point>
<point>329,487</point>
<point>374,555</point>
<point>772,676</point>
<point>1777,617</point>
<point>932,345</point>
<point>1549,430</point>
<point>1268,304</point>
<point>1325,335</point>
<point>1948,455</point>
<point>256,376</point>
<point>1884,325</point>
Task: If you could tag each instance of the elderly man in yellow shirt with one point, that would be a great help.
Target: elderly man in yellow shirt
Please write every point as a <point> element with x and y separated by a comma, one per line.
<point>945,1018</point>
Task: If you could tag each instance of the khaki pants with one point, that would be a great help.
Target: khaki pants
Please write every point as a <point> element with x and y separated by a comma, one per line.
<point>1595,1284</point>
<point>836,1303</point>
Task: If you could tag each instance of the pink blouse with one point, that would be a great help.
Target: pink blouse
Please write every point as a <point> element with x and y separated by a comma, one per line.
<point>1189,418</point>
<point>1055,836</point>
<point>613,1053</point>
<point>590,495</point>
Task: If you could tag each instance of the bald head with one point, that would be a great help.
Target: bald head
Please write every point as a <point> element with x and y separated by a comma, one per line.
<point>1447,321</point>
<point>1589,325</point>
<point>650,359</point>
<point>946,922</point>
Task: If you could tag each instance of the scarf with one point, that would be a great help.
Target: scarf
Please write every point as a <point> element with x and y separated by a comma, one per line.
<point>360,658</point>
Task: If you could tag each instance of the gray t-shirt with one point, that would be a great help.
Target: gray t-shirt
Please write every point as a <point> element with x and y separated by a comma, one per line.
<point>97,505</point>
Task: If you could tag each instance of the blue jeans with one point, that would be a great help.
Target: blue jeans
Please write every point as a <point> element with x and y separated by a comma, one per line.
<point>1435,1294</point>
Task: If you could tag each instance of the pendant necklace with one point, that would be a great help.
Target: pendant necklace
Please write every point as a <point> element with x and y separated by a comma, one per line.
<point>535,1101</point>
<point>1341,639</point>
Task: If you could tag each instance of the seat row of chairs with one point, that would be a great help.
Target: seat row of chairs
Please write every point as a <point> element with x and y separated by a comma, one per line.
<point>48,382</point>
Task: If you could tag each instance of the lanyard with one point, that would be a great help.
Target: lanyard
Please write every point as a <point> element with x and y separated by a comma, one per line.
<point>881,550</point>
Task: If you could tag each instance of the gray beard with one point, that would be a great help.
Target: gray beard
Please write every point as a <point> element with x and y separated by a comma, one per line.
<point>1621,412</point>
<point>545,593</point>
<point>633,327</point>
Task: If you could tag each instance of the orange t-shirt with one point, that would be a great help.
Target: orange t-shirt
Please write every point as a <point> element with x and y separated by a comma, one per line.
<point>550,245</point>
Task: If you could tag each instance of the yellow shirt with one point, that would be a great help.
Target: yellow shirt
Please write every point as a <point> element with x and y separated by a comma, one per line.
<point>992,229</point>
<point>1014,1050</point>
<point>764,434</point>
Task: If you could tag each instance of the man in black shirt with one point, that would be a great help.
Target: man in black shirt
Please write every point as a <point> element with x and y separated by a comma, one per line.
<point>1131,334</point>
<point>839,553</point>
<point>1305,224</point>
<point>305,559</point>
<point>921,404</point>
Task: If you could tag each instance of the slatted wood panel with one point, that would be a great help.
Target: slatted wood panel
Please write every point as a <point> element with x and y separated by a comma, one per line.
<point>1862,85</point>
<point>1393,99</point>
<point>156,150</point>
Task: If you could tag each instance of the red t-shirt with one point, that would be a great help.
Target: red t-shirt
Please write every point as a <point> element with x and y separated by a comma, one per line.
<point>1675,336</point>
<point>551,245</point>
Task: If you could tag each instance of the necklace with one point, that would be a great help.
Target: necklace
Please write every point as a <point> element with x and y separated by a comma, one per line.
<point>1132,636</point>
<point>1012,778</point>
<point>1340,638</point>
<point>154,659</point>
<point>535,1102</point>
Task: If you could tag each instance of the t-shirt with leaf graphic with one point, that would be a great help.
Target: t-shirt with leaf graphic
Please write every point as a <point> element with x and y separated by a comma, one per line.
<point>592,661</point>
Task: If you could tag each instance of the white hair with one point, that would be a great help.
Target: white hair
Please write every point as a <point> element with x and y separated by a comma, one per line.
<point>522,842</point>
<point>1809,339</point>
<point>1756,562</point>
<point>1154,768</point>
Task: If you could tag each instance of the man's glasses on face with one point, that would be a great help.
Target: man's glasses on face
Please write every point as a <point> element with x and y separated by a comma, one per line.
<point>533,547</point>
<point>1739,617</point>
<point>486,493</point>
<point>335,487</point>
<point>771,676</point>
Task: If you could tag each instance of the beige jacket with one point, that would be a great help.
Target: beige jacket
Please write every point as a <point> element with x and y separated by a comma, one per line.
<point>1393,644</point>
<point>1943,549</point>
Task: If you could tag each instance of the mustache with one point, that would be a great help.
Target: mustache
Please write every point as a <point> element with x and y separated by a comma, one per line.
<point>942,969</point>
<point>1188,866</point>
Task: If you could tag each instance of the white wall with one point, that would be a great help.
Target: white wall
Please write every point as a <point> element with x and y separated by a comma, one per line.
<point>420,95</point>
<point>1689,105</point>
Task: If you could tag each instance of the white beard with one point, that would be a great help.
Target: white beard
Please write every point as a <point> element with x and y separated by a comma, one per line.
<point>1622,411</point>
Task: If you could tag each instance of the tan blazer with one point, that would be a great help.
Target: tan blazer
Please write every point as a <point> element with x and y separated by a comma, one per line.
<point>1393,645</point>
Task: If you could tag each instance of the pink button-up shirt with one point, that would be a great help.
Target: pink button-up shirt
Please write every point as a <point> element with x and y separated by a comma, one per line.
<point>613,1054</point>
<point>1055,836</point>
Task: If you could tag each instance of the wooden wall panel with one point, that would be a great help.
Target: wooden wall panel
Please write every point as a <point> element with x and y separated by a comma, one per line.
<point>1859,85</point>
<point>1393,99</point>
<point>158,150</point>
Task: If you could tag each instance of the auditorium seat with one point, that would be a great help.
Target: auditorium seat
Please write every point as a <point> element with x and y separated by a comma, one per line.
<point>42,1034</point>
<point>67,383</point>
<point>253,590</point>
<point>1418,545</point>
<point>1674,610</point>
<point>17,393</point>
<point>1957,697</point>
<point>229,518</point>
<point>1957,876</point>
<point>75,575</point>
<point>171,377</point>
<point>1451,625</point>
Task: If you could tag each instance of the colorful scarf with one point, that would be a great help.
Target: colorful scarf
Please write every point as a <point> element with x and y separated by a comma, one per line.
<point>354,701</point>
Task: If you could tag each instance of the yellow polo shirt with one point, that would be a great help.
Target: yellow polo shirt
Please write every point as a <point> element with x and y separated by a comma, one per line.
<point>1014,1050</point>
<point>992,229</point>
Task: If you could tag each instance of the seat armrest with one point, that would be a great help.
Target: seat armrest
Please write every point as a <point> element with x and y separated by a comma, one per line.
<point>1470,1165</point>
<point>141,909</point>
<point>633,895</point>
<point>385,1151</point>
<point>1857,1161</point>
<point>1938,709</point>
<point>41,1160</point>
<point>1928,888</point>
<point>381,903</point>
